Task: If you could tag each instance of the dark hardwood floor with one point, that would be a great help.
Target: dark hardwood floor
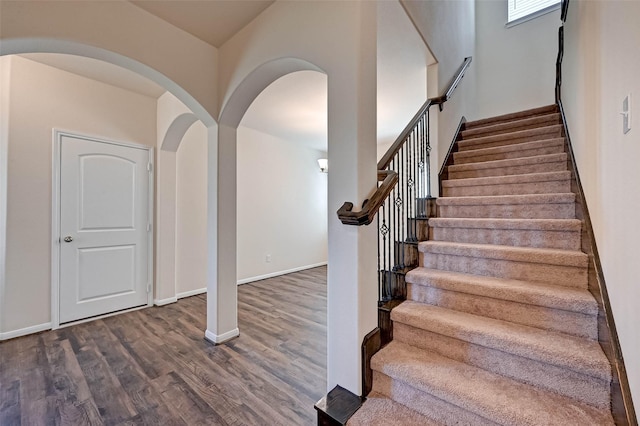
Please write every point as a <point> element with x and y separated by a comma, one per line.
<point>154,367</point>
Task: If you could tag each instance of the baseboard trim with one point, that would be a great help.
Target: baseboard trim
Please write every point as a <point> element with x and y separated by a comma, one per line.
<point>216,340</point>
<point>162,302</point>
<point>277,274</point>
<point>24,331</point>
<point>191,293</point>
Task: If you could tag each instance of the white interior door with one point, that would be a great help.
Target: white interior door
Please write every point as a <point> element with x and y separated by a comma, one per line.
<point>104,225</point>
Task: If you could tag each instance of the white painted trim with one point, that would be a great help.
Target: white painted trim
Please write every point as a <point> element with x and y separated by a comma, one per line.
<point>162,302</point>
<point>277,274</point>
<point>191,293</point>
<point>55,221</point>
<point>24,331</point>
<point>152,230</point>
<point>216,340</point>
<point>533,15</point>
<point>55,231</point>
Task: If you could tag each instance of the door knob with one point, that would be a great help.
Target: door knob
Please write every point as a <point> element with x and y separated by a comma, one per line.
<point>68,239</point>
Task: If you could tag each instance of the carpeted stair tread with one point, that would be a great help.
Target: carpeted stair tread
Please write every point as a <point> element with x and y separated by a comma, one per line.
<point>494,397</point>
<point>542,233</point>
<point>551,266</point>
<point>518,301</point>
<point>378,410</point>
<point>509,126</point>
<point>547,109</point>
<point>529,183</point>
<point>490,223</point>
<point>521,150</point>
<point>583,356</point>
<point>511,138</point>
<point>505,180</point>
<point>538,294</point>
<point>508,199</point>
<point>508,163</point>
<point>516,254</point>
<point>527,206</point>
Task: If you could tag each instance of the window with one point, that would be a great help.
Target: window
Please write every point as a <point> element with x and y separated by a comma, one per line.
<point>524,10</point>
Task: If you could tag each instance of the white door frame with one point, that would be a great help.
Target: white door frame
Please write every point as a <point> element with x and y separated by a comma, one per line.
<point>55,221</point>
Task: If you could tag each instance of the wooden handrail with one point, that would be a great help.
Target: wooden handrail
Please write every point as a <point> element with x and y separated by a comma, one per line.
<point>397,145</point>
<point>389,178</point>
<point>453,84</point>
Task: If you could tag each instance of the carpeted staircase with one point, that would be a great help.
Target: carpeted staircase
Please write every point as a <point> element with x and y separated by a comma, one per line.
<point>498,326</point>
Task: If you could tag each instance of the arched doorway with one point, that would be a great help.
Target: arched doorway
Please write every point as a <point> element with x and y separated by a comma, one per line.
<point>22,326</point>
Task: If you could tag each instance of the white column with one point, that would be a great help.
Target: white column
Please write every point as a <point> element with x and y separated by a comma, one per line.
<point>352,282</point>
<point>5,81</point>
<point>222,294</point>
<point>165,228</point>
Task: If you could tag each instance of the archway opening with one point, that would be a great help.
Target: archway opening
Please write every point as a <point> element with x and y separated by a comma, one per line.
<point>45,91</point>
<point>282,223</point>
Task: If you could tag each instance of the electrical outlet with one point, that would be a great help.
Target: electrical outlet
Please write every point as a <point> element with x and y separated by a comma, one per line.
<point>267,258</point>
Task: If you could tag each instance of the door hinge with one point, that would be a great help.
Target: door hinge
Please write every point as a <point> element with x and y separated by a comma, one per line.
<point>149,167</point>
<point>148,227</point>
<point>149,288</point>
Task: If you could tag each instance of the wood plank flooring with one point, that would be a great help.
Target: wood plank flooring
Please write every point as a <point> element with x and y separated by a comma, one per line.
<point>154,367</point>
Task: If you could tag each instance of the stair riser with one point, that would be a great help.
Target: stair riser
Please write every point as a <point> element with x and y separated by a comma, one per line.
<point>548,187</point>
<point>568,276</point>
<point>583,388</point>
<point>573,323</point>
<point>504,140</point>
<point>558,166</point>
<point>513,126</point>
<point>424,403</point>
<point>542,149</point>
<point>510,211</point>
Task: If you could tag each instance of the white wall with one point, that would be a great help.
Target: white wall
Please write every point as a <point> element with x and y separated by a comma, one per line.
<point>448,28</point>
<point>282,206</point>
<point>402,72</point>
<point>601,66</point>
<point>5,87</point>
<point>44,98</point>
<point>191,212</point>
<point>515,67</point>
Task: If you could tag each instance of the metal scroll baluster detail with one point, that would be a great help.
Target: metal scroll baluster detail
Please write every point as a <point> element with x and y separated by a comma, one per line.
<point>402,201</point>
<point>402,215</point>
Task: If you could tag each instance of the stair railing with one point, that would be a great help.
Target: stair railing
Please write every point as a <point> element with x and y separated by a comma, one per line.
<point>402,201</point>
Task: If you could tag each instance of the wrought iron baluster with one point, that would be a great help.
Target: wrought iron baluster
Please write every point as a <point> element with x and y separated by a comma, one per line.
<point>428,157</point>
<point>406,207</point>
<point>380,295</point>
